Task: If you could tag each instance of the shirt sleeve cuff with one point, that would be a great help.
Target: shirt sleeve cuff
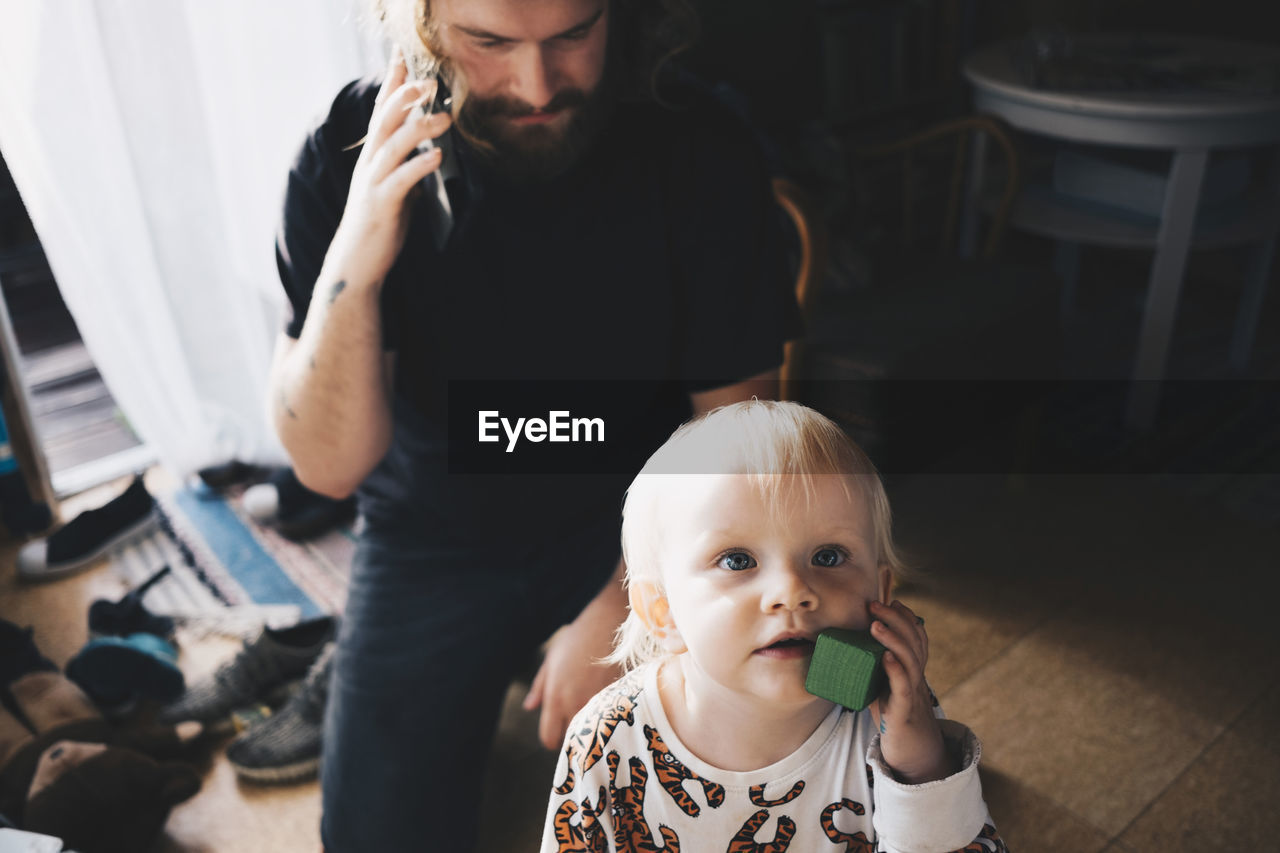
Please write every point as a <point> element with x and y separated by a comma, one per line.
<point>942,815</point>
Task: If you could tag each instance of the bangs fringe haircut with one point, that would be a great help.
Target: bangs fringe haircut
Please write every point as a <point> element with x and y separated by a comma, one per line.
<point>780,447</point>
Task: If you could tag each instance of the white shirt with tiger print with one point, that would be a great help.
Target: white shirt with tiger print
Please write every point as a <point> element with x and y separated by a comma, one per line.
<point>625,782</point>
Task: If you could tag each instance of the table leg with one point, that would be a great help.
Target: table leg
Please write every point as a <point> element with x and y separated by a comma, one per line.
<point>1177,223</point>
<point>1255,281</point>
<point>1255,287</point>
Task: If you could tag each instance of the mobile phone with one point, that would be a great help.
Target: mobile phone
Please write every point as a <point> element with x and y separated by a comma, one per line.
<point>442,102</point>
<point>434,184</point>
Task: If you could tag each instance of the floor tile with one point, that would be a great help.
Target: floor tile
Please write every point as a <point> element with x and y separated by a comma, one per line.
<point>1225,801</point>
<point>58,610</point>
<point>1192,650</point>
<point>230,816</point>
<point>518,782</point>
<point>971,621</point>
<point>1106,704</point>
<point>1257,724</point>
<point>1029,821</point>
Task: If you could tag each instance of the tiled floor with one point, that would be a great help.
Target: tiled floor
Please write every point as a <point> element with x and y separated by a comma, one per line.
<point>1145,653</point>
<point>1112,643</point>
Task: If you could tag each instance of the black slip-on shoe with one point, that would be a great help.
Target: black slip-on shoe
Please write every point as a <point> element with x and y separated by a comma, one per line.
<point>90,535</point>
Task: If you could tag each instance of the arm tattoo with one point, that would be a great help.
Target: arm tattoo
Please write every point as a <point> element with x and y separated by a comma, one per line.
<point>337,288</point>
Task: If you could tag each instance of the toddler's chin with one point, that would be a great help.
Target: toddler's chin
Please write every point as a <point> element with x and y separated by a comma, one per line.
<point>789,693</point>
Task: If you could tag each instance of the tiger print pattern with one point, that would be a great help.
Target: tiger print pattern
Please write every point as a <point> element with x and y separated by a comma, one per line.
<point>599,719</point>
<point>615,740</point>
<point>586,837</point>
<point>988,841</point>
<point>672,774</point>
<point>630,829</point>
<point>756,795</point>
<point>855,843</point>
<point>745,840</point>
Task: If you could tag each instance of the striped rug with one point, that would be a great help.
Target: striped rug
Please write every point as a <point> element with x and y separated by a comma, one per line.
<point>228,567</point>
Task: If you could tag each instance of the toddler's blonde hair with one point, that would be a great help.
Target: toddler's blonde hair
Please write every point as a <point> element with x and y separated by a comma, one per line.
<point>760,439</point>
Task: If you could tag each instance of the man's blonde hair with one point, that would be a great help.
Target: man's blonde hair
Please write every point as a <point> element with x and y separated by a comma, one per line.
<point>652,34</point>
<point>411,25</point>
<point>772,444</point>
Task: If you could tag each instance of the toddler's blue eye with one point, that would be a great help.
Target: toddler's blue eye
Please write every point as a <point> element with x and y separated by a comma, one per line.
<point>737,561</point>
<point>828,558</point>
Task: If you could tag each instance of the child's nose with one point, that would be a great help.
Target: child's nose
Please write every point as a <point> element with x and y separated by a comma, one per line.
<point>789,589</point>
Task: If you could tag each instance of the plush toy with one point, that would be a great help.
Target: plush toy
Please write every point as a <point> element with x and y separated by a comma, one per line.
<point>66,771</point>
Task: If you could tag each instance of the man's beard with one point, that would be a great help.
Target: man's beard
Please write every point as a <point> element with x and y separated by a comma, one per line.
<point>530,154</point>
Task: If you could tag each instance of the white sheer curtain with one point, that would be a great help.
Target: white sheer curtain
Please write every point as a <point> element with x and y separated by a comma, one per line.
<point>150,140</point>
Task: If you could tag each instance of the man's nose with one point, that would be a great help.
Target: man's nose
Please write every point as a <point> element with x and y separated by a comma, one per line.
<point>788,588</point>
<point>533,83</point>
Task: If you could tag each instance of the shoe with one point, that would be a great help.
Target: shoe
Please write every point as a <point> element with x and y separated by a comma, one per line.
<point>117,671</point>
<point>19,655</point>
<point>293,509</point>
<point>128,615</point>
<point>262,501</point>
<point>90,535</point>
<point>261,672</point>
<point>286,745</point>
<point>218,477</point>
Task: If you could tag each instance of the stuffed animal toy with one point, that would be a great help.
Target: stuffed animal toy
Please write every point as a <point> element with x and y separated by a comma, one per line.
<point>66,771</point>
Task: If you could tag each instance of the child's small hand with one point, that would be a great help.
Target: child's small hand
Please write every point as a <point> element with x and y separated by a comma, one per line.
<point>910,737</point>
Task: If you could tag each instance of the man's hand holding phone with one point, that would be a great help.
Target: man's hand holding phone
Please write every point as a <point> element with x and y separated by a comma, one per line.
<point>376,217</point>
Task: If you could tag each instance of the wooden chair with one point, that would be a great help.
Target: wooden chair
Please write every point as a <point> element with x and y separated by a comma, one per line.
<point>929,310</point>
<point>811,227</point>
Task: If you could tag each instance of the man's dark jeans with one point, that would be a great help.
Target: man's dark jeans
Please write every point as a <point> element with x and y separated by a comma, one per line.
<point>429,643</point>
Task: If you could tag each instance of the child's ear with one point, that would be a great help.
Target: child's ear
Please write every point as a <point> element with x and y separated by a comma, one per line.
<point>886,583</point>
<point>648,602</point>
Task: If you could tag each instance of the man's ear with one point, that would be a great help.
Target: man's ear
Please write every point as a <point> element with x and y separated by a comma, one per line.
<point>649,603</point>
<point>886,583</point>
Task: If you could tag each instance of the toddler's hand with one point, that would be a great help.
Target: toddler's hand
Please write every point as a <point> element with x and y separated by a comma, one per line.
<point>910,737</point>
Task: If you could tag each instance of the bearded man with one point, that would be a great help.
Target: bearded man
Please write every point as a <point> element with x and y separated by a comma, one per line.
<point>586,231</point>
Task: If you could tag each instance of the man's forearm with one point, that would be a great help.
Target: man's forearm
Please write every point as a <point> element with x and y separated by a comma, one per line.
<point>330,396</point>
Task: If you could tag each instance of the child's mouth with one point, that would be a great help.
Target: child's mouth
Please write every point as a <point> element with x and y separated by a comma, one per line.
<point>790,648</point>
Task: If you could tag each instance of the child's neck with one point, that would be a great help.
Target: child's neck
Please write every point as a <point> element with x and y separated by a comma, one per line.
<point>727,732</point>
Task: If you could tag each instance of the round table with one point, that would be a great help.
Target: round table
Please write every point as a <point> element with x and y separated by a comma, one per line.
<point>1175,93</point>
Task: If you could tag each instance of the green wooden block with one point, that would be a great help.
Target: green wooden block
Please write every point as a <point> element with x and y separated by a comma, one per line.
<point>845,668</point>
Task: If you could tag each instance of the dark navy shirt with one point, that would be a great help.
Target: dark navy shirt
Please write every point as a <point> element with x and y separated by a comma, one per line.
<point>655,267</point>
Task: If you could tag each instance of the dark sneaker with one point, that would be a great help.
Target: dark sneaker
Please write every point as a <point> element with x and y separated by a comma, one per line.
<point>261,672</point>
<point>262,500</point>
<point>218,477</point>
<point>128,615</point>
<point>285,746</point>
<point>19,655</point>
<point>293,509</point>
<point>90,535</point>
<point>117,671</point>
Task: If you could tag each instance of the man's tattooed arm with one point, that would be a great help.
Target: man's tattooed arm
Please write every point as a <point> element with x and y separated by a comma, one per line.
<point>282,400</point>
